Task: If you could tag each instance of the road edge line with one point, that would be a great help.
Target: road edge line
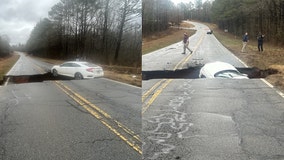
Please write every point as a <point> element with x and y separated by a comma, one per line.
<point>271,86</point>
<point>7,81</point>
<point>8,73</point>
<point>155,96</point>
<point>122,82</point>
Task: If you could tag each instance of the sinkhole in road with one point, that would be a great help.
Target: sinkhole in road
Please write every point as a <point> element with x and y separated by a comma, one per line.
<point>193,73</point>
<point>32,78</point>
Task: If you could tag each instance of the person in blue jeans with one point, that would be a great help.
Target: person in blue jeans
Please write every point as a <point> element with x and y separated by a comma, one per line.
<point>245,41</point>
<point>186,43</point>
<point>260,42</point>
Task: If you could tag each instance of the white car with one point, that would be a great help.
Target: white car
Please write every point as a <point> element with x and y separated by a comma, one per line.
<point>220,70</point>
<point>78,70</point>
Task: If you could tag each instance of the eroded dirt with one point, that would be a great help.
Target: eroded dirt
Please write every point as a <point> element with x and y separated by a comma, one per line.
<point>193,73</point>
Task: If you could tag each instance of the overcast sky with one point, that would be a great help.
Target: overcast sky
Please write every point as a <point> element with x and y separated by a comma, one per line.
<point>18,17</point>
<point>186,1</point>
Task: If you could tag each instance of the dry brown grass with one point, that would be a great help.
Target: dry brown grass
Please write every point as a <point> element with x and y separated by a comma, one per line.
<point>164,38</point>
<point>132,79</point>
<point>129,75</point>
<point>6,64</point>
<point>271,58</point>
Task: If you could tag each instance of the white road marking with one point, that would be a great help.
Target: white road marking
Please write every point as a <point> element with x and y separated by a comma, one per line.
<point>271,86</point>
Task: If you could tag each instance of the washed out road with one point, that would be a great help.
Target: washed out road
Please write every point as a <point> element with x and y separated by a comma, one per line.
<point>85,119</point>
<point>216,119</point>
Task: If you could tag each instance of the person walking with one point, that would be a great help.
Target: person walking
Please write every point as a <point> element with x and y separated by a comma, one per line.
<point>186,43</point>
<point>245,41</point>
<point>260,42</point>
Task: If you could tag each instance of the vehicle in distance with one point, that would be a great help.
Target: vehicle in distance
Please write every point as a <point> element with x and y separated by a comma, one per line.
<point>210,32</point>
<point>78,70</point>
<point>220,70</point>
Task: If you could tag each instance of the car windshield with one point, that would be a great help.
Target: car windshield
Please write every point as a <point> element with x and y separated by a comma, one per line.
<point>228,74</point>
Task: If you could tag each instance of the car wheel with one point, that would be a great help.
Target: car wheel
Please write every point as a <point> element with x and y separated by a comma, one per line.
<point>78,76</point>
<point>54,72</point>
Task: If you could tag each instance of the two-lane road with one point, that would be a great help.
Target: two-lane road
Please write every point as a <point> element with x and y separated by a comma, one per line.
<point>201,119</point>
<point>206,48</point>
<point>28,66</point>
<point>85,119</point>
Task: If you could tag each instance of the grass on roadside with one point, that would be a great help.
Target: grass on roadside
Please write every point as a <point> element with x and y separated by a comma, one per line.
<point>164,38</point>
<point>271,58</point>
<point>6,64</point>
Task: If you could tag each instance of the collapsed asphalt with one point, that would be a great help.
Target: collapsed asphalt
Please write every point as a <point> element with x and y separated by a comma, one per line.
<point>193,73</point>
<point>33,78</point>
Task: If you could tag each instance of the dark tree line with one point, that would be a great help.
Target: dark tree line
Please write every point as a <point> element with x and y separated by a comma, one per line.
<point>155,15</point>
<point>4,46</point>
<point>237,16</point>
<point>252,16</point>
<point>108,31</point>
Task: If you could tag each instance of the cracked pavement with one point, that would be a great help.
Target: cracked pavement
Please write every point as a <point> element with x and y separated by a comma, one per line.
<point>220,119</point>
<point>39,121</point>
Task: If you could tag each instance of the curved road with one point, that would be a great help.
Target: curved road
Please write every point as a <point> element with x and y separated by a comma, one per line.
<point>206,49</point>
<point>208,118</point>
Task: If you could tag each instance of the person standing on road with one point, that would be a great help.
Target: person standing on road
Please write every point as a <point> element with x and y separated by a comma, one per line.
<point>260,42</point>
<point>186,43</point>
<point>245,41</point>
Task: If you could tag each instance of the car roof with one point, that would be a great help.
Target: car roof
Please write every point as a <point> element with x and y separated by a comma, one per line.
<point>81,62</point>
<point>215,67</point>
<point>78,62</point>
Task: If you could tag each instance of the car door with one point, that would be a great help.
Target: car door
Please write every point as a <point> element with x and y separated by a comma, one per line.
<point>65,69</point>
<point>73,69</point>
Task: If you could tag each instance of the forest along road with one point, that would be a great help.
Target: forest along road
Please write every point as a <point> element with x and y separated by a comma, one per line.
<point>209,118</point>
<point>84,119</point>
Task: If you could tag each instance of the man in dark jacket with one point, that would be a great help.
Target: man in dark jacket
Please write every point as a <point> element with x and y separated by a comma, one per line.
<point>260,42</point>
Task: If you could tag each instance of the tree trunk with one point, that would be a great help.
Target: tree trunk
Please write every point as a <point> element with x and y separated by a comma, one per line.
<point>119,40</point>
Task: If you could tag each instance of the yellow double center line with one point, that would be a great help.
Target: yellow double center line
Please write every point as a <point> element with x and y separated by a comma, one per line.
<point>186,59</point>
<point>127,135</point>
<point>162,84</point>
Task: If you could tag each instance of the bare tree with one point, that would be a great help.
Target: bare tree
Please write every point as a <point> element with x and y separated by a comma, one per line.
<point>129,9</point>
<point>97,29</point>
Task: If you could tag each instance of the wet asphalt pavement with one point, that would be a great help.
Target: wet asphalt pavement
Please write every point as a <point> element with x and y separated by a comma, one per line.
<point>201,119</point>
<point>67,119</point>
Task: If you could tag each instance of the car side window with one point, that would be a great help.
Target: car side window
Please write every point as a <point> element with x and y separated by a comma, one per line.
<point>75,65</point>
<point>65,65</point>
